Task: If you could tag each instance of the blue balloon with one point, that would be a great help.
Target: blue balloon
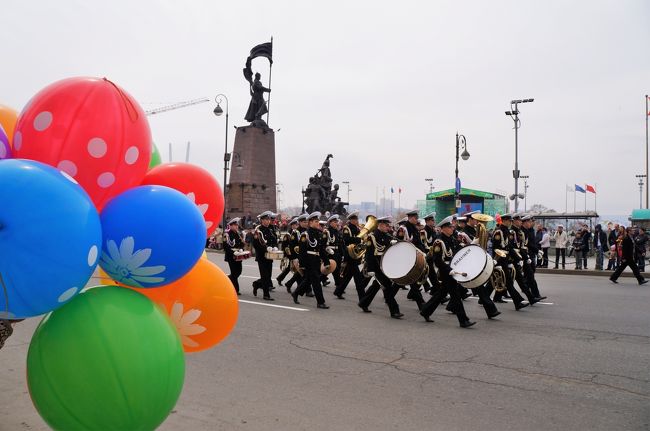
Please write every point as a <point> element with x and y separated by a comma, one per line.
<point>50,238</point>
<point>152,236</point>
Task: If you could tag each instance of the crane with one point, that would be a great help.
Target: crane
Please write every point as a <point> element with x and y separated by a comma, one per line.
<point>177,106</point>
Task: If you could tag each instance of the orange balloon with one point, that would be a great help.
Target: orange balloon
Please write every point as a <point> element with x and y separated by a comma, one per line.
<point>8,119</point>
<point>202,304</point>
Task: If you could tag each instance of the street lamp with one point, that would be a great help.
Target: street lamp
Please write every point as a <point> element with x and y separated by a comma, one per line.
<point>347,183</point>
<point>226,156</point>
<point>278,189</point>
<point>525,178</point>
<point>460,141</point>
<point>514,114</point>
<point>640,177</point>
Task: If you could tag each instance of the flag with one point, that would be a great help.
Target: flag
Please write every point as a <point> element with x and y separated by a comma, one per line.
<point>569,189</point>
<point>263,50</point>
<point>580,189</point>
<point>391,190</point>
<point>590,189</point>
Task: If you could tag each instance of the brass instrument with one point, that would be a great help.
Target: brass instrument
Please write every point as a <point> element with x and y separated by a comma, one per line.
<point>498,277</point>
<point>357,251</point>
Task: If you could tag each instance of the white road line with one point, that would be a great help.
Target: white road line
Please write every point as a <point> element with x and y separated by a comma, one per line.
<point>273,305</point>
<point>509,300</point>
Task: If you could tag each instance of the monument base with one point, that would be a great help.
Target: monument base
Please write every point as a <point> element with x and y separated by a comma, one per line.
<point>251,188</point>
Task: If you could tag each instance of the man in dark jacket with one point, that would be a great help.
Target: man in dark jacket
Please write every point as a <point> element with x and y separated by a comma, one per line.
<point>640,243</point>
<point>600,246</point>
<point>627,259</point>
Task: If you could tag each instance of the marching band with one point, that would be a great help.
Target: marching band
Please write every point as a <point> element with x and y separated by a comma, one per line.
<point>446,259</point>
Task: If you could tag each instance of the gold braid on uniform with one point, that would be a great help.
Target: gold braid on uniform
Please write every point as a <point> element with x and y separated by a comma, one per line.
<point>378,247</point>
<point>305,237</point>
<point>440,247</point>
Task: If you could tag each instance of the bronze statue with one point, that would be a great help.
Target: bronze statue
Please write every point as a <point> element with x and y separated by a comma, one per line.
<point>257,106</point>
<point>319,195</point>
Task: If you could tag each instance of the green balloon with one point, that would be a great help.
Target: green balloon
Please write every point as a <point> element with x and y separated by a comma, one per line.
<point>107,360</point>
<point>155,156</point>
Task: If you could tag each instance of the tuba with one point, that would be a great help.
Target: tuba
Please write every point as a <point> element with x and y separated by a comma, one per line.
<point>498,277</point>
<point>357,251</point>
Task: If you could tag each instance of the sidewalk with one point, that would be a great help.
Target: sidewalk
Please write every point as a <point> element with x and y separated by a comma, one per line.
<point>591,265</point>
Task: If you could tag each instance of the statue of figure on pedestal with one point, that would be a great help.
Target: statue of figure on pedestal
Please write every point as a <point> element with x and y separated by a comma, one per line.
<point>320,196</point>
<point>257,106</point>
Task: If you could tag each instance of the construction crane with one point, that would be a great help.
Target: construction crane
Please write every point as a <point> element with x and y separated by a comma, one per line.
<point>177,106</point>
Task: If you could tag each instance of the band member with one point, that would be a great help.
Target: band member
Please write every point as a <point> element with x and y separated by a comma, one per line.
<point>504,253</point>
<point>294,243</point>
<point>471,231</point>
<point>264,239</point>
<point>334,245</point>
<point>409,232</point>
<point>377,242</point>
<point>350,265</point>
<point>233,242</point>
<point>322,226</point>
<point>312,253</point>
<point>528,249</point>
<point>519,257</point>
<point>443,250</point>
<point>286,248</point>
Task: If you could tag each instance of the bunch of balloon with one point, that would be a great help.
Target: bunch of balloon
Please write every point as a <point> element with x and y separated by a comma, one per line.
<point>108,348</point>
<point>5,147</point>
<point>8,119</point>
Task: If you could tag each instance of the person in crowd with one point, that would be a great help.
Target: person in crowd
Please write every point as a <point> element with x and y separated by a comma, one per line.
<point>612,234</point>
<point>600,246</point>
<point>625,248</point>
<point>586,245</point>
<point>640,243</point>
<point>577,248</point>
<point>561,242</point>
<point>545,244</point>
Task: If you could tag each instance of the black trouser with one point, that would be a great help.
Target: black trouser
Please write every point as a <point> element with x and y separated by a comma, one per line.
<point>337,272</point>
<point>416,295</point>
<point>235,272</point>
<point>266,269</point>
<point>510,286</point>
<point>284,273</point>
<point>529,275</point>
<point>521,281</point>
<point>311,279</point>
<point>624,263</point>
<point>389,288</point>
<point>352,271</point>
<point>558,252</point>
<point>295,278</point>
<point>451,287</point>
<point>545,257</point>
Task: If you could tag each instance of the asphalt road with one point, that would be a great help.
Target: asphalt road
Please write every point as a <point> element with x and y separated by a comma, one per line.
<point>578,362</point>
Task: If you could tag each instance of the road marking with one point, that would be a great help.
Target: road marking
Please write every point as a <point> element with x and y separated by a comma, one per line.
<point>510,300</point>
<point>273,305</point>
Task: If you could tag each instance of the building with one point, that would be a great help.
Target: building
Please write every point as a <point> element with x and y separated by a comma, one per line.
<point>443,203</point>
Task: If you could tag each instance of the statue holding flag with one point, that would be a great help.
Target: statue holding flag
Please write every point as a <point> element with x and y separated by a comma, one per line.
<point>257,106</point>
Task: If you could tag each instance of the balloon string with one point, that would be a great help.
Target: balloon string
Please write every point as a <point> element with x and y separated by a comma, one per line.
<point>130,108</point>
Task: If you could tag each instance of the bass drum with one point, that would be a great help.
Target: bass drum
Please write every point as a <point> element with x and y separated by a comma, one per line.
<point>404,264</point>
<point>471,266</point>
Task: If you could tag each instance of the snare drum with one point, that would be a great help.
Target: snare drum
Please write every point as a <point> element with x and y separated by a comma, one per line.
<point>241,255</point>
<point>404,263</point>
<point>471,266</point>
<point>274,255</point>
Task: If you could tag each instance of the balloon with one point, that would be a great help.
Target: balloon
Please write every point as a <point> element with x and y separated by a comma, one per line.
<point>91,129</point>
<point>194,182</point>
<point>155,156</point>
<point>8,119</point>
<point>203,305</point>
<point>108,360</point>
<point>104,279</point>
<point>5,148</point>
<point>50,238</point>
<point>152,235</point>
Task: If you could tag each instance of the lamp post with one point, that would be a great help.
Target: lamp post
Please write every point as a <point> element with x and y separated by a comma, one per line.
<point>460,141</point>
<point>226,156</point>
<point>525,178</point>
<point>514,114</point>
<point>278,190</point>
<point>640,177</point>
<point>347,183</point>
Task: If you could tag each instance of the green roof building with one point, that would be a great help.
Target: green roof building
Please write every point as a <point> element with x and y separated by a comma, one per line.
<point>444,204</point>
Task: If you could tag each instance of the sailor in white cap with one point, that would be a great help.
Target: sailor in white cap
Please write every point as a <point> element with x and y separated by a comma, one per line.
<point>428,235</point>
<point>286,248</point>
<point>443,251</point>
<point>529,252</point>
<point>294,243</point>
<point>312,252</point>
<point>233,242</point>
<point>334,246</point>
<point>264,239</point>
<point>351,262</point>
<point>520,256</point>
<point>409,232</point>
<point>377,243</point>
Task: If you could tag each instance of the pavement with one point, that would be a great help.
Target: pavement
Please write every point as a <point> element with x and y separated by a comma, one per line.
<point>577,361</point>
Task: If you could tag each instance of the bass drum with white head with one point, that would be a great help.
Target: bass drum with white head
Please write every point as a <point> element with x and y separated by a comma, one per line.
<point>471,266</point>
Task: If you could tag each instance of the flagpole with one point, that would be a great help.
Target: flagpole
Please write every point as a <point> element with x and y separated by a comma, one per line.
<point>391,201</point>
<point>574,199</point>
<point>268,110</point>
<point>585,200</point>
<point>647,114</point>
<point>566,198</point>
<point>596,199</point>
<point>399,198</point>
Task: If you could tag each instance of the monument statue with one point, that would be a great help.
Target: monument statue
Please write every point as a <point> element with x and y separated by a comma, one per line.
<point>257,106</point>
<point>320,196</point>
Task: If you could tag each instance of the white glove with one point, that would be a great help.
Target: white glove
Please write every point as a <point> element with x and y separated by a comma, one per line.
<point>495,262</point>
<point>393,241</point>
<point>275,249</point>
<point>475,241</point>
<point>329,250</point>
<point>529,261</point>
<point>269,248</point>
<point>510,265</point>
<point>520,263</point>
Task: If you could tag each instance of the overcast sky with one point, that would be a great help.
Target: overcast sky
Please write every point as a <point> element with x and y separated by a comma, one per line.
<point>383,86</point>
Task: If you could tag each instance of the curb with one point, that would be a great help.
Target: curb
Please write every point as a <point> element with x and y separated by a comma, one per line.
<point>600,273</point>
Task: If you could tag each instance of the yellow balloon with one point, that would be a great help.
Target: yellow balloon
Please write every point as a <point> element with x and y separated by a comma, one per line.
<point>8,119</point>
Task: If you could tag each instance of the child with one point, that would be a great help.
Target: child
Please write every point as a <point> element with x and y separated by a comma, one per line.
<point>577,248</point>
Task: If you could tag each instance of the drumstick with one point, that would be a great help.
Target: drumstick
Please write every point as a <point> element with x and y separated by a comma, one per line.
<point>464,274</point>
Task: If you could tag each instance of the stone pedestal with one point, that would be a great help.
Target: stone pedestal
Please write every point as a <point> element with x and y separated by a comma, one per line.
<point>251,187</point>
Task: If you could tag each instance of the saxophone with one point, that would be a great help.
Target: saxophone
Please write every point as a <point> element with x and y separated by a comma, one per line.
<point>498,277</point>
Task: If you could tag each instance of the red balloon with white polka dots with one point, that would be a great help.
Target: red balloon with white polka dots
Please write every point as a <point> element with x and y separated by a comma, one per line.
<point>91,129</point>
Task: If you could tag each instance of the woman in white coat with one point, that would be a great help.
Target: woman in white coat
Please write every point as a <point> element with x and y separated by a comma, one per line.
<point>561,241</point>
